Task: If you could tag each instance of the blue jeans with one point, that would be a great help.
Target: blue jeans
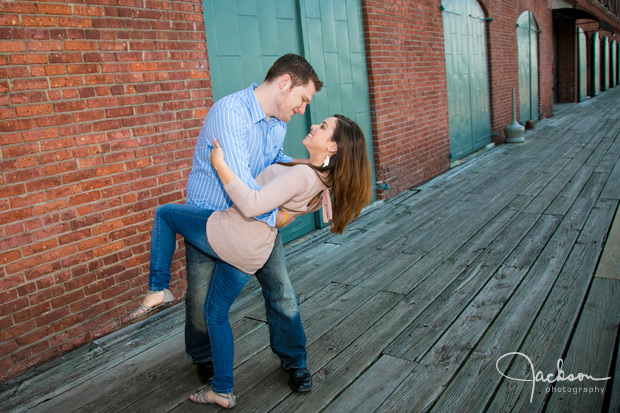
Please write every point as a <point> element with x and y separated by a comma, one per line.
<point>172,219</point>
<point>226,284</point>
<point>286,333</point>
<point>191,224</point>
<point>287,336</point>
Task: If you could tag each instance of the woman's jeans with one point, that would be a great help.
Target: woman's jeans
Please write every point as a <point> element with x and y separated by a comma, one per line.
<point>226,281</point>
<point>172,219</point>
<point>226,284</point>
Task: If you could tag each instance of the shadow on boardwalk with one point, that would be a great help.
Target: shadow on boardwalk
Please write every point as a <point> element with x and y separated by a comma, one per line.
<point>421,303</point>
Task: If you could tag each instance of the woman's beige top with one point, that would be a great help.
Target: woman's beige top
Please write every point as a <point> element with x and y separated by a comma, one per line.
<point>245,242</point>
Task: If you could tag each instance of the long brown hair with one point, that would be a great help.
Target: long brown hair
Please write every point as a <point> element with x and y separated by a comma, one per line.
<point>349,170</point>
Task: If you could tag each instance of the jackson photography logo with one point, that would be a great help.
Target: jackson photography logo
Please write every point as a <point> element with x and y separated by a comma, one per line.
<point>540,377</point>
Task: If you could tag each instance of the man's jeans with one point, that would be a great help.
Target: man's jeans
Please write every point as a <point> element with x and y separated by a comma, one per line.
<point>286,332</point>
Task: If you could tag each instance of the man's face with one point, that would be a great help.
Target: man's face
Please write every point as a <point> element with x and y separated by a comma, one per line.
<point>293,101</point>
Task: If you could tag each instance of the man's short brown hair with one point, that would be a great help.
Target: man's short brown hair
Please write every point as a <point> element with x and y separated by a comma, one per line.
<point>297,68</point>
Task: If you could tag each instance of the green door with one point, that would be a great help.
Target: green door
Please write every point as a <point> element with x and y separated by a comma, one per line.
<point>334,44</point>
<point>527,38</point>
<point>244,38</point>
<point>596,64</point>
<point>467,76</point>
<point>583,62</point>
<point>613,75</point>
<point>604,64</point>
<point>617,63</point>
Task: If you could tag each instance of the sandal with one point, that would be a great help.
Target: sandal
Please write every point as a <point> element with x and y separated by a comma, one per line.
<point>143,312</point>
<point>203,397</point>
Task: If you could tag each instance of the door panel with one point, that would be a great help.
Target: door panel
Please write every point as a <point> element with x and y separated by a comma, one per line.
<point>467,76</point>
<point>583,71</point>
<point>613,81</point>
<point>604,64</point>
<point>334,44</point>
<point>527,38</point>
<point>596,63</point>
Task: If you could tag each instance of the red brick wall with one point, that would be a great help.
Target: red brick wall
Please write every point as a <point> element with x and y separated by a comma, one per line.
<point>409,103</point>
<point>100,106</point>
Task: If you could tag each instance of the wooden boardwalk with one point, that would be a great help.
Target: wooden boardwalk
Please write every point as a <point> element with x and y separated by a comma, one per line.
<point>436,300</point>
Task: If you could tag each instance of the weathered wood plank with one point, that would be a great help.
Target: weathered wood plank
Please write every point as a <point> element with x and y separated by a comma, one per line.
<point>253,346</point>
<point>571,191</point>
<point>483,377</point>
<point>614,389</point>
<point>373,387</point>
<point>88,363</point>
<point>549,335</point>
<point>123,372</point>
<point>311,310</point>
<point>458,252</point>
<point>462,349</point>
<point>417,339</point>
<point>609,266</point>
<point>555,186</point>
<point>590,351</point>
<point>612,187</point>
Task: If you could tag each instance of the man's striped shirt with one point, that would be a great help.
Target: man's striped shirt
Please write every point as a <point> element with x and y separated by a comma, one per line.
<point>250,141</point>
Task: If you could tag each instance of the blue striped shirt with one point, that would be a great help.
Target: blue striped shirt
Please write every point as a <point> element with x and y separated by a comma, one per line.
<point>250,141</point>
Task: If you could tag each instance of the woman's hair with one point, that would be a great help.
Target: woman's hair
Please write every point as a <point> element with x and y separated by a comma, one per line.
<point>349,171</point>
<point>297,68</point>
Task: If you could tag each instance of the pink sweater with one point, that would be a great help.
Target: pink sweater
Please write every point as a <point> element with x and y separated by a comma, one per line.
<point>245,242</point>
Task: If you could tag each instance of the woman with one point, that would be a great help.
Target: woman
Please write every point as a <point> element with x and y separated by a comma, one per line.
<point>338,163</point>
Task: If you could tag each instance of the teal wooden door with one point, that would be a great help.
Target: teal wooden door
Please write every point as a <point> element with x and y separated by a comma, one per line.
<point>613,75</point>
<point>583,62</point>
<point>245,37</point>
<point>596,64</point>
<point>527,39</point>
<point>467,76</point>
<point>604,64</point>
<point>334,44</point>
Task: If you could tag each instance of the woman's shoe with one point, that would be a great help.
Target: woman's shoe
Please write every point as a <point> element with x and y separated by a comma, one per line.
<point>203,397</point>
<point>143,312</point>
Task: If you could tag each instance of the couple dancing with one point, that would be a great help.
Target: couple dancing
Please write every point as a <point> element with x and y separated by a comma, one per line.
<point>241,189</point>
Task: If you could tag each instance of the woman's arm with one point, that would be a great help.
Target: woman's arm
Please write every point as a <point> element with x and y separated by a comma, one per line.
<point>255,202</point>
<point>221,167</point>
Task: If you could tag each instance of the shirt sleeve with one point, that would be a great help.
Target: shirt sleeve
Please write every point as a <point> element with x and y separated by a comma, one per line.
<point>230,128</point>
<point>277,192</point>
<point>281,157</point>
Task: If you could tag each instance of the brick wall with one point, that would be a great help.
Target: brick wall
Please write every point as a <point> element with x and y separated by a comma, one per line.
<point>409,103</point>
<point>100,105</point>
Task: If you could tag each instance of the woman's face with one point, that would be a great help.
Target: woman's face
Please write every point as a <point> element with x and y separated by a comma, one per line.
<point>319,140</point>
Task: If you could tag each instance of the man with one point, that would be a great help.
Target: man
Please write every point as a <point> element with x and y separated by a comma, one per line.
<point>250,125</point>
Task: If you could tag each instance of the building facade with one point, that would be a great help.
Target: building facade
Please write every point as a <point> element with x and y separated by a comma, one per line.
<point>101,103</point>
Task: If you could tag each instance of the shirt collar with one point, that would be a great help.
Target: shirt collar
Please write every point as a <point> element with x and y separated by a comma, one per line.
<point>255,110</point>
